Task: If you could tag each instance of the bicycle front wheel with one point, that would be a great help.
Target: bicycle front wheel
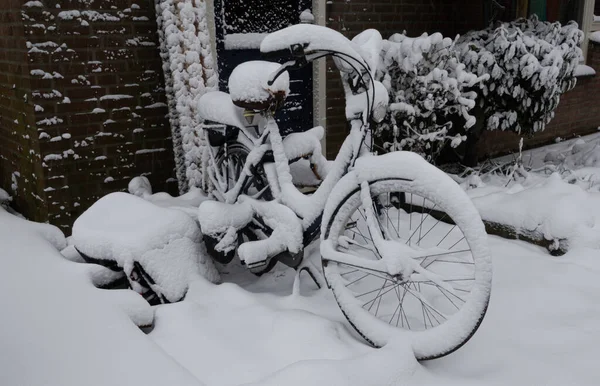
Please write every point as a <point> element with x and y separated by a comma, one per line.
<point>440,302</point>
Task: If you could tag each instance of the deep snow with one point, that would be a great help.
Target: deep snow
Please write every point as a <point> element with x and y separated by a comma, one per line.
<point>542,326</point>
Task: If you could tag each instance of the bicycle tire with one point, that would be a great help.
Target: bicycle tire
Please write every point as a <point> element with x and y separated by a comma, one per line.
<point>449,335</point>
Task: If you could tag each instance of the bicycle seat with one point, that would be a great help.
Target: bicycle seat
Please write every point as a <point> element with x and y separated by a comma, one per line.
<point>248,86</point>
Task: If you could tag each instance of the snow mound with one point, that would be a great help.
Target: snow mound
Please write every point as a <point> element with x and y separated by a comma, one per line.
<point>48,232</point>
<point>556,209</point>
<point>4,197</point>
<point>187,202</point>
<point>166,242</point>
<point>140,186</point>
<point>58,330</point>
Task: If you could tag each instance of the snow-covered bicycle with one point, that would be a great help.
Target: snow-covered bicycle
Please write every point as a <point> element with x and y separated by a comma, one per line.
<point>403,248</point>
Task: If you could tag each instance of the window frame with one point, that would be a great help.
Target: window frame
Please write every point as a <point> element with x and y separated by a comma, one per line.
<point>588,25</point>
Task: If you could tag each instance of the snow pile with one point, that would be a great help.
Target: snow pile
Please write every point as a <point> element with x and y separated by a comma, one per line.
<point>187,203</point>
<point>166,242</point>
<point>190,71</point>
<point>5,198</point>
<point>554,208</point>
<point>550,193</point>
<point>286,340</point>
<point>58,330</point>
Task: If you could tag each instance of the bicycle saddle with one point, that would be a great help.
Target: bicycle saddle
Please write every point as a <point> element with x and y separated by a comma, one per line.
<point>248,86</point>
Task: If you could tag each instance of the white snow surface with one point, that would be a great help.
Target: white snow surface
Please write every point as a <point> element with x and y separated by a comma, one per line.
<point>243,41</point>
<point>556,209</point>
<point>166,242</point>
<point>542,328</point>
<point>595,37</point>
<point>248,81</point>
<point>584,70</point>
<point>187,203</point>
<point>559,198</point>
<point>59,330</point>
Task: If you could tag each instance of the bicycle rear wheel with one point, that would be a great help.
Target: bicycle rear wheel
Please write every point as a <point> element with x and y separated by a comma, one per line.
<point>437,306</point>
<point>229,163</point>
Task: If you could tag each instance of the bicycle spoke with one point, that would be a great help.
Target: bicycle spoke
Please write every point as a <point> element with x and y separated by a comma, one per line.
<point>421,224</point>
<point>444,238</point>
<point>357,280</point>
<point>457,242</point>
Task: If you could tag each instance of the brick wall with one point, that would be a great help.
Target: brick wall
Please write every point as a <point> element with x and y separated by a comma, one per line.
<point>20,169</point>
<point>95,108</point>
<point>577,114</point>
<point>351,17</point>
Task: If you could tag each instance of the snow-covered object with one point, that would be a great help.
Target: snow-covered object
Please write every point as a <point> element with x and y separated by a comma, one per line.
<point>216,106</point>
<point>595,37</point>
<point>314,38</point>
<point>140,186</point>
<point>190,72</point>
<point>248,82</point>
<point>286,236</point>
<point>187,202</point>
<point>58,329</point>
<point>243,41</point>
<point>530,63</point>
<point>307,144</point>
<point>5,198</point>
<point>552,207</point>
<point>430,91</point>
<point>426,180</point>
<point>584,70</point>
<point>356,104</point>
<point>166,242</point>
<point>370,42</point>
<point>307,17</point>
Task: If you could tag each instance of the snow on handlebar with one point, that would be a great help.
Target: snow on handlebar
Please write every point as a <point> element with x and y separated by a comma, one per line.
<point>305,39</point>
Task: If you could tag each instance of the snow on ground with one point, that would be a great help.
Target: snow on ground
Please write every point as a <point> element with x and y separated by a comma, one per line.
<point>542,327</point>
<point>556,193</point>
<point>58,330</point>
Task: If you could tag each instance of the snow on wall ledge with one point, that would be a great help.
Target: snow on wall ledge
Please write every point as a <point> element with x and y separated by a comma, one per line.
<point>98,97</point>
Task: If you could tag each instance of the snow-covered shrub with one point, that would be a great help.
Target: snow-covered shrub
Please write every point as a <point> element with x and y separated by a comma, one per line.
<point>530,62</point>
<point>430,94</point>
<point>190,71</point>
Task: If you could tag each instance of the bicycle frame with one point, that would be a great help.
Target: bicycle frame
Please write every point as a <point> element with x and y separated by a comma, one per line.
<point>308,208</point>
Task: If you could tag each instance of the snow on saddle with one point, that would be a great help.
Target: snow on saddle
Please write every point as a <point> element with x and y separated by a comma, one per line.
<point>249,89</point>
<point>159,249</point>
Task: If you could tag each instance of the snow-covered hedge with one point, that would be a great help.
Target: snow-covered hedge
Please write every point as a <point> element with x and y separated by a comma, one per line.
<point>429,94</point>
<point>530,62</point>
<point>190,71</point>
<point>508,77</point>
